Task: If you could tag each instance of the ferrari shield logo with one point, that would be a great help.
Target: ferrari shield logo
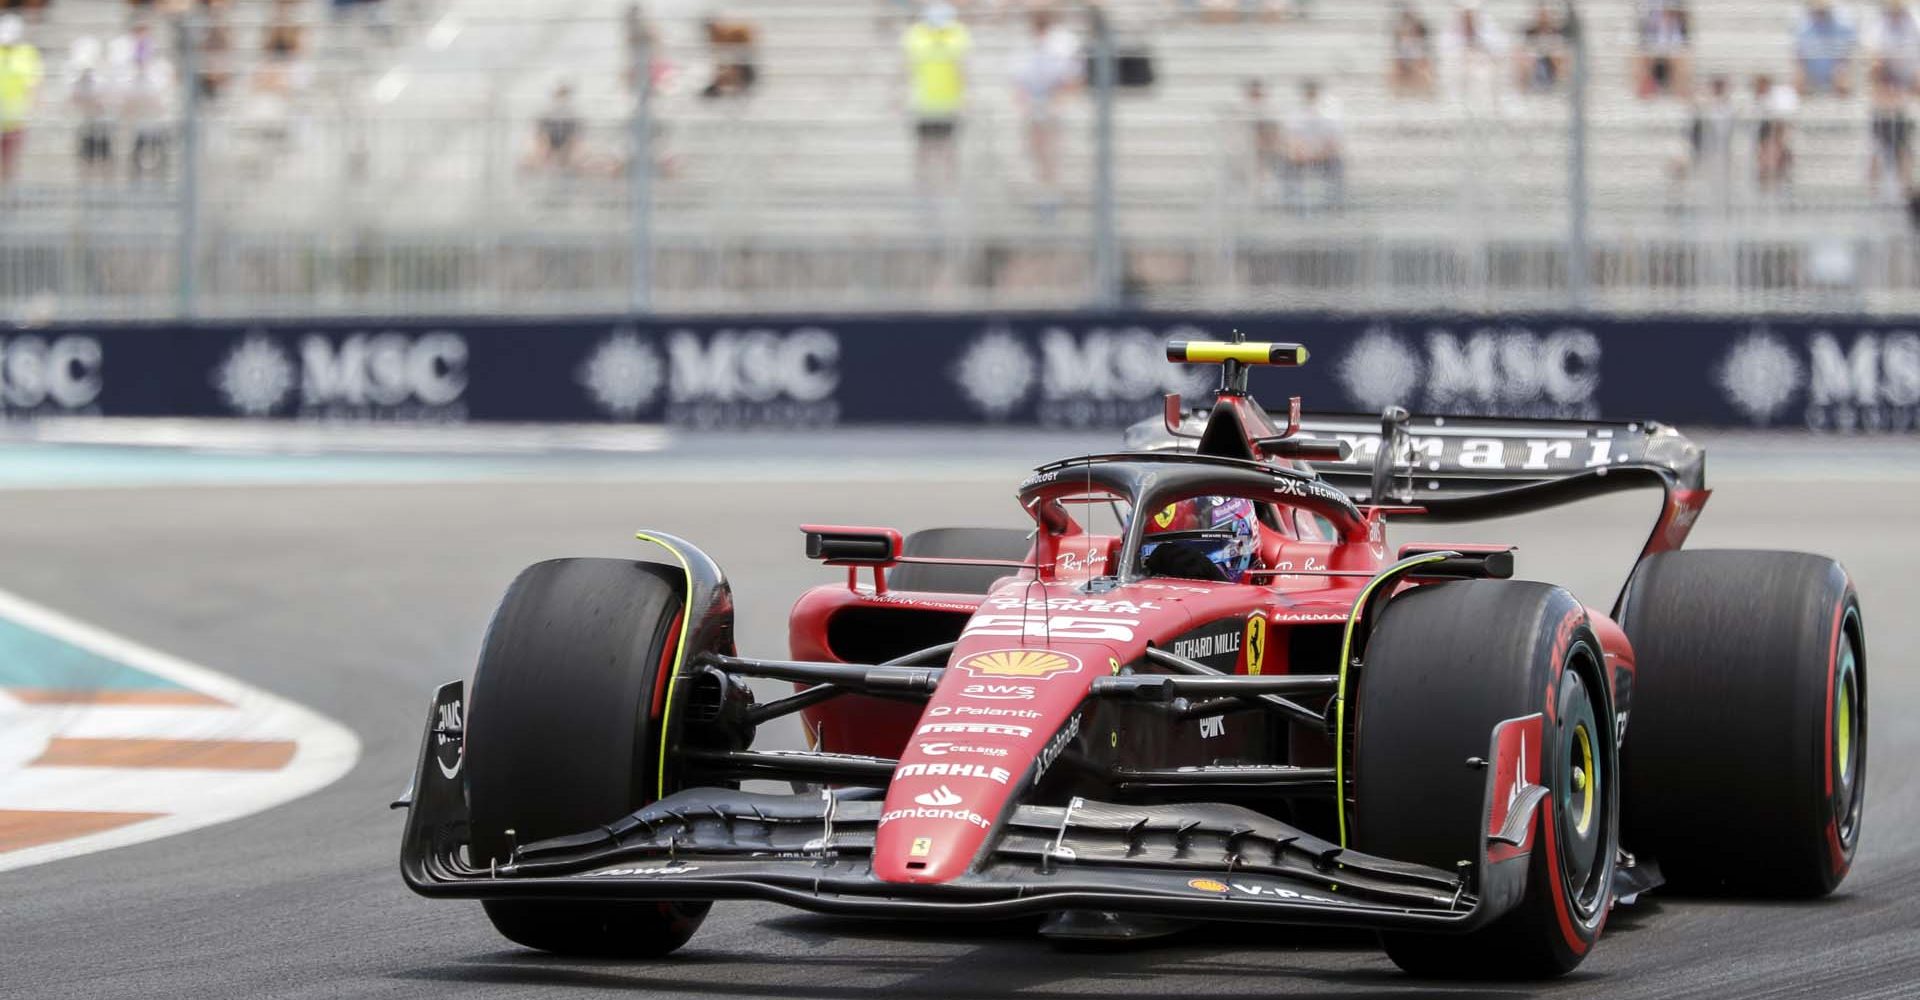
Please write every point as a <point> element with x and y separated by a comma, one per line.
<point>1036,664</point>
<point>1164,518</point>
<point>922,846</point>
<point>1256,643</point>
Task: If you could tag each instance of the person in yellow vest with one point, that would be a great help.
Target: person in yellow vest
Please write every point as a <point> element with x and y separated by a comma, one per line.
<point>936,48</point>
<point>20,76</point>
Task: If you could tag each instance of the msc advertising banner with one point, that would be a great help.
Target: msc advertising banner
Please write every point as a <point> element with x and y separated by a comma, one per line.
<point>1065,370</point>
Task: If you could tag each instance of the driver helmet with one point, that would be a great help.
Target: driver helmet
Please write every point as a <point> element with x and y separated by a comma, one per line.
<point>1234,516</point>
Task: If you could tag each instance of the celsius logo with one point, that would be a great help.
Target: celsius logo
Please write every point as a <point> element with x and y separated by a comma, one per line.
<point>357,376</point>
<point>1094,377</point>
<point>622,375</point>
<point>942,796</point>
<point>62,375</point>
<point>1871,382</point>
<point>1492,371</point>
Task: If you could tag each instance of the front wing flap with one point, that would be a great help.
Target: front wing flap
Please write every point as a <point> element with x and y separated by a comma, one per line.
<point>1196,861</point>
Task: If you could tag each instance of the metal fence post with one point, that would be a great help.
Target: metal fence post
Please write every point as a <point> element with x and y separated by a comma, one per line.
<point>640,178</point>
<point>187,252</point>
<point>1578,263</point>
<point>1106,241</point>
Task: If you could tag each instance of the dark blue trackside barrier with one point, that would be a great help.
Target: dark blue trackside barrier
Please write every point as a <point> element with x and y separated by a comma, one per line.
<point>1847,375</point>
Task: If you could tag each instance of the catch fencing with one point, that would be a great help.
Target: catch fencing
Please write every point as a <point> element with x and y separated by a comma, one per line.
<point>404,177</point>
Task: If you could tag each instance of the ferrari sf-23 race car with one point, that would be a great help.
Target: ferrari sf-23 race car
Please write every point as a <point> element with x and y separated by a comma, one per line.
<point>1229,701</point>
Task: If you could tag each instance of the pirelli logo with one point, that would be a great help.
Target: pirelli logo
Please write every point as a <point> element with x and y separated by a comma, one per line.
<point>1032,664</point>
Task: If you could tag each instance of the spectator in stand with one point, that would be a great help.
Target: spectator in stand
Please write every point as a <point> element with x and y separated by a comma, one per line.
<point>281,46</point>
<point>1473,58</point>
<point>1263,134</point>
<point>1710,134</point>
<point>1823,42</point>
<point>1314,148</point>
<point>146,101</point>
<point>1664,65</point>
<point>1412,74</point>
<point>1542,62</point>
<point>556,134</point>
<point>1773,104</point>
<point>1892,39</point>
<point>216,53</point>
<point>937,47</point>
<point>1045,71</point>
<point>734,58</point>
<point>91,100</point>
<point>20,76</point>
<point>1890,170</point>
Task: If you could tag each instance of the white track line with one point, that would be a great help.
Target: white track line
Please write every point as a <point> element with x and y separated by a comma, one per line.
<point>190,799</point>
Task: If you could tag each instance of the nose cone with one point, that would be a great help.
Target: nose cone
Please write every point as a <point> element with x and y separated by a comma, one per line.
<point>974,750</point>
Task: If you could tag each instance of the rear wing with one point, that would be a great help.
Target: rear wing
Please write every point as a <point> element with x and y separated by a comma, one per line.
<point>1442,460</point>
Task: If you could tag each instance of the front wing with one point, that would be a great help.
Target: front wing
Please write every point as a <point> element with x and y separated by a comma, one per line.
<point>1196,861</point>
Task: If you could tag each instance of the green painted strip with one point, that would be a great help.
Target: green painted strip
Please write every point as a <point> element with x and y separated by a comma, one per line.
<point>31,659</point>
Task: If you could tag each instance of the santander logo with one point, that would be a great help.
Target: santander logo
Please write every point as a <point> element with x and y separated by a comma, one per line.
<point>940,797</point>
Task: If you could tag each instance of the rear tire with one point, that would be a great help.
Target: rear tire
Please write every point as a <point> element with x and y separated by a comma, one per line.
<point>1446,664</point>
<point>563,735</point>
<point>1745,758</point>
<point>958,543</point>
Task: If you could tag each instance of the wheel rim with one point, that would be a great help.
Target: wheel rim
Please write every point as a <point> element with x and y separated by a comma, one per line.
<point>1582,794</point>
<point>1849,741</point>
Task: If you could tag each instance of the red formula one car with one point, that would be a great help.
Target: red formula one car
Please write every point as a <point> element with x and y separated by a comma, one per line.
<point>1229,701</point>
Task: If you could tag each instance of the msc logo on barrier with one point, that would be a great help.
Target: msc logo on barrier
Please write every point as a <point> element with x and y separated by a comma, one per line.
<point>355,376</point>
<point>55,377</point>
<point>1507,371</point>
<point>729,378</point>
<point>1868,383</point>
<point>1095,377</point>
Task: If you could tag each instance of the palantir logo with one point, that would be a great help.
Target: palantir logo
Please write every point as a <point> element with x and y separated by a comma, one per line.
<point>623,374</point>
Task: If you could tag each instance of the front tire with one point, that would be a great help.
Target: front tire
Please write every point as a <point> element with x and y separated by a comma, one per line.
<point>563,735</point>
<point>1446,664</point>
<point>1745,756</point>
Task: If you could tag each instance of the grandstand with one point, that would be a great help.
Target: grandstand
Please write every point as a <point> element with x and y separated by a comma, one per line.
<point>393,177</point>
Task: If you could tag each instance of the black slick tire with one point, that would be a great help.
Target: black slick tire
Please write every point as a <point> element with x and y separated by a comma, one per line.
<point>1445,665</point>
<point>1745,753</point>
<point>562,736</point>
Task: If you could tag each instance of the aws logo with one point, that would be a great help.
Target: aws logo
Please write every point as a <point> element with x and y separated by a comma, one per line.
<point>1028,663</point>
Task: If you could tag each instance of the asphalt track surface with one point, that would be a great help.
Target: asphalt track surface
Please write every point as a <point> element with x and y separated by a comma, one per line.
<point>356,600</point>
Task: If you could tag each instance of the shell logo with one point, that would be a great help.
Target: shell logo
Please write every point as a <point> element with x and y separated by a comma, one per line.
<point>1207,885</point>
<point>1030,663</point>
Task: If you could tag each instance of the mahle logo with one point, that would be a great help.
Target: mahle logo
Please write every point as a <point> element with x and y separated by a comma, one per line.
<point>1029,663</point>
